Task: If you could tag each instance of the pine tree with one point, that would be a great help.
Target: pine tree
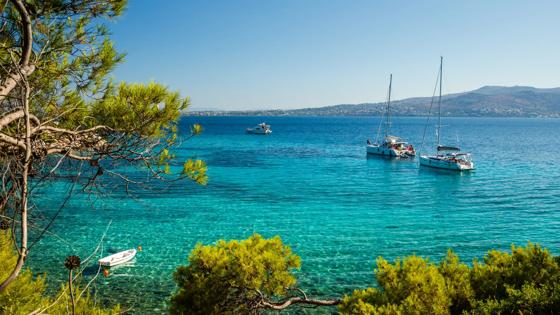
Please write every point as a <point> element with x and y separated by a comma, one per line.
<point>59,109</point>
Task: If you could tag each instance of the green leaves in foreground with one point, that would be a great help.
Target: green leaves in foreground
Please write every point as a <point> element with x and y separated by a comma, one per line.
<point>226,278</point>
<point>233,277</point>
<point>27,293</point>
<point>525,281</point>
<point>146,110</point>
<point>196,129</point>
<point>196,170</point>
<point>193,169</point>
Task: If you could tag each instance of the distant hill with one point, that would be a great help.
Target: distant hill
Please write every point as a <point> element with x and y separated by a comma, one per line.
<point>487,101</point>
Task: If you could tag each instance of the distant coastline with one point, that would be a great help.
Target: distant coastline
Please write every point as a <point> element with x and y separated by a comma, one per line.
<point>488,101</point>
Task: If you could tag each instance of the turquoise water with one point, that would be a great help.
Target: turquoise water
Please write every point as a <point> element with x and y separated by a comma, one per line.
<point>311,183</point>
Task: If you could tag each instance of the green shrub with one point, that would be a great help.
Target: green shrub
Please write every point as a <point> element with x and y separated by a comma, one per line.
<point>27,294</point>
<point>226,278</point>
<point>24,294</point>
<point>525,281</point>
<point>235,277</point>
<point>411,286</point>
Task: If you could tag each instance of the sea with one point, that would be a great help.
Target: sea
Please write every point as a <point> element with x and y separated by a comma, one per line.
<point>311,183</point>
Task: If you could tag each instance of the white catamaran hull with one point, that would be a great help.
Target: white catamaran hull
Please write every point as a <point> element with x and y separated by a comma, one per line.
<point>442,163</point>
<point>379,150</point>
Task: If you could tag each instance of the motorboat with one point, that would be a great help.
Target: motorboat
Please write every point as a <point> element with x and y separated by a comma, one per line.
<point>118,258</point>
<point>391,146</point>
<point>260,129</point>
<point>446,157</point>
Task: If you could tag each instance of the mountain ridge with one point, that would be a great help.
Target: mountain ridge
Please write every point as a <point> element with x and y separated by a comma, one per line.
<point>487,101</point>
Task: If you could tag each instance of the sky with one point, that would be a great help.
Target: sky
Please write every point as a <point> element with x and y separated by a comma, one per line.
<point>284,54</point>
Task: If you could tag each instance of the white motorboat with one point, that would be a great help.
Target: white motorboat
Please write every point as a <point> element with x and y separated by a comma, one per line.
<point>260,129</point>
<point>391,146</point>
<point>118,258</point>
<point>446,157</point>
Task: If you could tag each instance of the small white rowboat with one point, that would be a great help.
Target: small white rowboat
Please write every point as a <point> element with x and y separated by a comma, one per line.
<point>118,258</point>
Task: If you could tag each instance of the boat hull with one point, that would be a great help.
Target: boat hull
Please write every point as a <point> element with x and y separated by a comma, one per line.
<point>446,164</point>
<point>383,151</point>
<point>410,153</point>
<point>374,149</point>
<point>259,132</point>
<point>118,258</point>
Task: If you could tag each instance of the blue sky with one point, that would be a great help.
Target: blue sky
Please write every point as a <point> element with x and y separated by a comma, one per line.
<point>265,54</point>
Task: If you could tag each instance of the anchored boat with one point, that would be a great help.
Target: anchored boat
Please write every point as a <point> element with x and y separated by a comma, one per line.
<point>391,146</point>
<point>118,258</point>
<point>446,157</point>
<point>260,129</point>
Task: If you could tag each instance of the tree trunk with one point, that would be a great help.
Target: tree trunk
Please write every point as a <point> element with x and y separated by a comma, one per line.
<point>25,69</point>
<point>5,87</point>
<point>297,300</point>
<point>13,79</point>
<point>24,191</point>
<point>71,291</point>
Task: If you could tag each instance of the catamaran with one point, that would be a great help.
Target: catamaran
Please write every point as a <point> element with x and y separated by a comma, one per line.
<point>446,157</point>
<point>392,146</point>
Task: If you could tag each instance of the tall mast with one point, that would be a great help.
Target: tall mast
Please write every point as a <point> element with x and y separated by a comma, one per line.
<point>388,106</point>
<point>439,99</point>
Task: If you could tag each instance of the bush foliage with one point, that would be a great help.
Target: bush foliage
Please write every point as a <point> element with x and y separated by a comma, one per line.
<point>524,281</point>
<point>27,294</point>
<point>226,278</point>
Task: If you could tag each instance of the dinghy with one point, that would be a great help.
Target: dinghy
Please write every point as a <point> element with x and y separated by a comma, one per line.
<point>118,258</point>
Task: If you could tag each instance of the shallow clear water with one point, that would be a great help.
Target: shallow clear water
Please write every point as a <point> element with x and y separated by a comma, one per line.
<point>311,183</point>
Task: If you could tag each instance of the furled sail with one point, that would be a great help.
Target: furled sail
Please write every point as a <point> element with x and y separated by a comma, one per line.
<point>447,148</point>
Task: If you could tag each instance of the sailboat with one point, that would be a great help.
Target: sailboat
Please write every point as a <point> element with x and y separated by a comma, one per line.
<point>392,146</point>
<point>446,157</point>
